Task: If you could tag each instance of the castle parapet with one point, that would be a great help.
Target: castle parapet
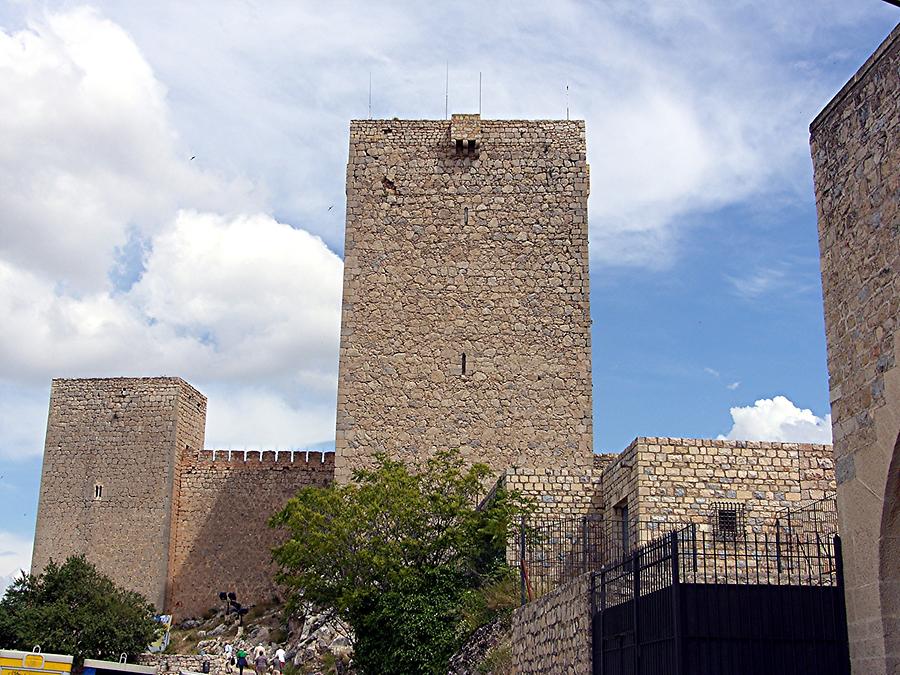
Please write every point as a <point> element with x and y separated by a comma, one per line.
<point>263,456</point>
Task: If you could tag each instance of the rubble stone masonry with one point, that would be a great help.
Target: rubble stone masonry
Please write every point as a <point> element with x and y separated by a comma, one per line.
<point>222,541</point>
<point>465,320</point>
<point>108,473</point>
<point>553,634</point>
<point>126,483</point>
<point>677,479</point>
<point>855,144</point>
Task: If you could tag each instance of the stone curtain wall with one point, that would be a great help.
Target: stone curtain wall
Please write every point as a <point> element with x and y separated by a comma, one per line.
<point>553,634</point>
<point>222,541</point>
<point>856,158</point>
<point>123,434</point>
<point>459,249</point>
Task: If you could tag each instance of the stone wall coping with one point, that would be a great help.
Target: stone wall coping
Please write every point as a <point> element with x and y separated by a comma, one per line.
<point>446,122</point>
<point>263,456</point>
<point>721,443</point>
<point>851,84</point>
<point>129,381</point>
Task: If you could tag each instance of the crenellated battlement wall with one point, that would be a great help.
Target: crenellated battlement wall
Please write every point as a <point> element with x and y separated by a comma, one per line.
<point>127,482</point>
<point>263,456</point>
<point>221,537</point>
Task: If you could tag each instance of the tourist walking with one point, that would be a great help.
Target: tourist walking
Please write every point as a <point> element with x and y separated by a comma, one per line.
<point>241,660</point>
<point>280,658</point>
<point>262,663</point>
<point>228,651</point>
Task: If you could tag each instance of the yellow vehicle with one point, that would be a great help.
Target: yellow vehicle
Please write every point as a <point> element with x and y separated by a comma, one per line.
<point>30,663</point>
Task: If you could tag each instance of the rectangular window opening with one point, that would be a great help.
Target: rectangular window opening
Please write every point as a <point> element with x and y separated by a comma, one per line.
<point>98,491</point>
<point>459,145</point>
<point>728,519</point>
<point>464,363</point>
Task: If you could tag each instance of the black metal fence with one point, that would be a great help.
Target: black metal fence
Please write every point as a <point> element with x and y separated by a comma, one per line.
<point>693,603</point>
<point>551,551</point>
<point>816,517</point>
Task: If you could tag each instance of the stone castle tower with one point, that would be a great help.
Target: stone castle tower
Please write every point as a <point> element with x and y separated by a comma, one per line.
<point>466,319</point>
<point>109,474</point>
<point>127,482</point>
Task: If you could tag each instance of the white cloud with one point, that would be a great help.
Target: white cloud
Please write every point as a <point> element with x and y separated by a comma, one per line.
<point>711,371</point>
<point>778,419</point>
<point>15,557</point>
<point>733,385</point>
<point>88,151</point>
<point>674,128</point>
<point>265,420</point>
<point>230,302</point>
<point>760,282</point>
<point>120,256</point>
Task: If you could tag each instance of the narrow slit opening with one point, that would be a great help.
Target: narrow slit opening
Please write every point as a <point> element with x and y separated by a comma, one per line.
<point>464,363</point>
<point>466,216</point>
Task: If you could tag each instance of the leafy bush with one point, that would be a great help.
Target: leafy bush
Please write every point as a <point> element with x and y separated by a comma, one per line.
<point>397,554</point>
<point>74,609</point>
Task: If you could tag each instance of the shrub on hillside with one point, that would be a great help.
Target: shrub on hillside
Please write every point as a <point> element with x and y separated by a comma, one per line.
<point>397,554</point>
<point>74,609</point>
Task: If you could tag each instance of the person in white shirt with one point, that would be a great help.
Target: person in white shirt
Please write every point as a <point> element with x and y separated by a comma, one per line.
<point>280,658</point>
<point>229,660</point>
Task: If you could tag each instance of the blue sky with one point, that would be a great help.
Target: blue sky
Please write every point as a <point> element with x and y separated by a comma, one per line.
<point>121,255</point>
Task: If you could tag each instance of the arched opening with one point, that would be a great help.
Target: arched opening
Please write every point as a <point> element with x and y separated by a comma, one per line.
<point>889,563</point>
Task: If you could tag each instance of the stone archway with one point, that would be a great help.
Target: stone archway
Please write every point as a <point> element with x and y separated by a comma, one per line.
<point>890,565</point>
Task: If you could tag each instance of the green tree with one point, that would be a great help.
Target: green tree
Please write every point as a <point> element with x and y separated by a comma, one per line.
<point>74,609</point>
<point>396,554</point>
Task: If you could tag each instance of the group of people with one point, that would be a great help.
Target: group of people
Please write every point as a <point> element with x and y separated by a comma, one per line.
<point>260,663</point>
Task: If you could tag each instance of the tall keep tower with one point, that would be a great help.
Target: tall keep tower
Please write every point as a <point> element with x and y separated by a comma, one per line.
<point>466,319</point>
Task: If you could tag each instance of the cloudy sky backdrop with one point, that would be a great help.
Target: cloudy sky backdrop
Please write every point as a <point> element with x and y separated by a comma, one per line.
<point>172,199</point>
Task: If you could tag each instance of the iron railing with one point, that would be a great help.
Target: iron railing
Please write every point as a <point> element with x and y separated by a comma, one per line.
<point>694,603</point>
<point>549,551</point>
<point>818,517</point>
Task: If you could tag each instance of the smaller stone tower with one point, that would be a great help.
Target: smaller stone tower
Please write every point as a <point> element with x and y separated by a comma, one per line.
<point>110,462</point>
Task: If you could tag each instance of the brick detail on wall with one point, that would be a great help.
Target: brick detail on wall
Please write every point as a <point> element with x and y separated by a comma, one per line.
<point>553,633</point>
<point>479,253</point>
<point>222,540</point>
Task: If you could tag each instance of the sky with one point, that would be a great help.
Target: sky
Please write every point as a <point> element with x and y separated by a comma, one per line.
<point>172,199</point>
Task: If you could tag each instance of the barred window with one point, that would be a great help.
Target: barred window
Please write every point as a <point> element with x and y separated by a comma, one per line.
<point>727,519</point>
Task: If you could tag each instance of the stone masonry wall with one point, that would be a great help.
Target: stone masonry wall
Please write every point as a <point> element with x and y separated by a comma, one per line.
<point>679,478</point>
<point>121,434</point>
<point>473,250</point>
<point>553,633</point>
<point>856,158</point>
<point>222,541</point>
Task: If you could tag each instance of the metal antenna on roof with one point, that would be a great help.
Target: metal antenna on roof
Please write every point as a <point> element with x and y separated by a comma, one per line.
<point>447,92</point>
<point>370,94</point>
<point>479,93</point>
<point>567,101</point>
